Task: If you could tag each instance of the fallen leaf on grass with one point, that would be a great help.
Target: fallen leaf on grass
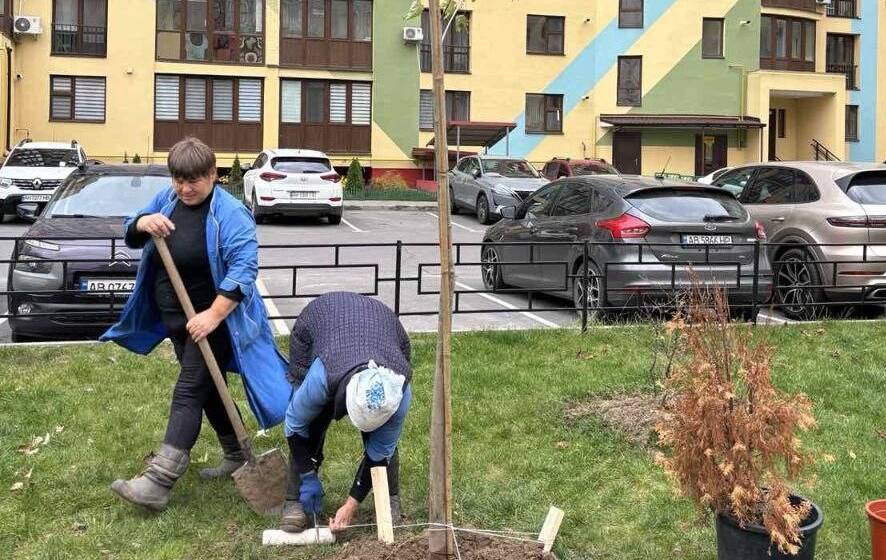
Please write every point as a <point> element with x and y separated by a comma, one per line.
<point>231,529</point>
<point>201,460</point>
<point>59,429</point>
<point>562,445</point>
<point>828,458</point>
<point>582,355</point>
<point>113,359</point>
<point>835,354</point>
<point>852,454</point>
<point>33,447</point>
<point>261,433</point>
<point>17,486</point>
<point>78,527</point>
<point>820,331</point>
<point>882,434</point>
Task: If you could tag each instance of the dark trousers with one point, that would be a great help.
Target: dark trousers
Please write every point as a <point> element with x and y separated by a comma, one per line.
<point>195,392</point>
<point>313,447</point>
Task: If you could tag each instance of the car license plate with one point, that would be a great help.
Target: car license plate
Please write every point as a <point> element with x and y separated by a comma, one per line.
<point>36,198</point>
<point>302,194</point>
<point>107,284</point>
<point>693,239</point>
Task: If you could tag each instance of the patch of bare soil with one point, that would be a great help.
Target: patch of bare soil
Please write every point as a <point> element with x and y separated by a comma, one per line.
<point>470,547</point>
<point>633,415</point>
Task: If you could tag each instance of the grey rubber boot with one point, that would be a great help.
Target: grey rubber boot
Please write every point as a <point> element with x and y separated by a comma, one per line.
<point>233,459</point>
<point>396,514</point>
<point>294,519</point>
<point>152,488</point>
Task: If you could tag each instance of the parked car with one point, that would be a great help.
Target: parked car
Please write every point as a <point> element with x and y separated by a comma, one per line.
<point>566,167</point>
<point>293,183</point>
<point>646,237</point>
<point>484,184</point>
<point>711,177</point>
<point>803,205</point>
<point>82,221</point>
<point>31,173</point>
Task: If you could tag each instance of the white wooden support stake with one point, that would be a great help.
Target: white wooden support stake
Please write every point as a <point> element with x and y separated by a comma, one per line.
<point>382,505</point>
<point>551,527</point>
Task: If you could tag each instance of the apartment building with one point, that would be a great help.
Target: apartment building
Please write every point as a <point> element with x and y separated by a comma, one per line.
<point>683,86</point>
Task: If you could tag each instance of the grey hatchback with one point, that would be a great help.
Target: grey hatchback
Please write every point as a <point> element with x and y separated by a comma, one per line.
<point>646,239</point>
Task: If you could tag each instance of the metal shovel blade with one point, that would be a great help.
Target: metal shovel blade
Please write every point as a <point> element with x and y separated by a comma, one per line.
<point>262,483</point>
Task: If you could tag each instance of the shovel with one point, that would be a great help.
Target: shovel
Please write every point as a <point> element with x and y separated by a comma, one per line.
<point>261,480</point>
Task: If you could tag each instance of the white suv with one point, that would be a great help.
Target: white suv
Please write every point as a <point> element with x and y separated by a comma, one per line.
<point>33,170</point>
<point>293,183</point>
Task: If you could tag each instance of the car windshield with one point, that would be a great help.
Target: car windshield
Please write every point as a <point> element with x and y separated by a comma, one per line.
<point>105,196</point>
<point>515,168</point>
<point>868,188</point>
<point>673,205</point>
<point>39,157</point>
<point>593,169</point>
<point>301,165</point>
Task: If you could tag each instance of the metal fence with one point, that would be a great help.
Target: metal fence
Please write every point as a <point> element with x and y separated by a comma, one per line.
<point>87,288</point>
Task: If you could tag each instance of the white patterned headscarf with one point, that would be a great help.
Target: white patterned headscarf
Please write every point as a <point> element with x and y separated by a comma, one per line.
<point>373,395</point>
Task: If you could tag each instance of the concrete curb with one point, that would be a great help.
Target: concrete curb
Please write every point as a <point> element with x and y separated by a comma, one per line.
<point>409,206</point>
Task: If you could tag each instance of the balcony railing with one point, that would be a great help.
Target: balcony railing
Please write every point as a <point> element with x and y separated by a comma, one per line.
<point>843,8</point>
<point>456,59</point>
<point>849,69</point>
<point>79,39</point>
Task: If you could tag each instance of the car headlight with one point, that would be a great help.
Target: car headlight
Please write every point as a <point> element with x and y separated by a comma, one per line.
<point>5,183</point>
<point>34,265</point>
<point>503,190</point>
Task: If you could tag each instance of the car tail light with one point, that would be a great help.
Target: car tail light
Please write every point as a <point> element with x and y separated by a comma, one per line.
<point>625,227</point>
<point>859,221</point>
<point>334,177</point>
<point>761,231</point>
<point>270,177</point>
<point>335,199</point>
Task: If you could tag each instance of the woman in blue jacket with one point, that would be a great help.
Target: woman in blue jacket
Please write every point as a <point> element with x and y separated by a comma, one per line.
<point>211,237</point>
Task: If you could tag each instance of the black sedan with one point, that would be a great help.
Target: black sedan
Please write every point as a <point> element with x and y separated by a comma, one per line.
<point>71,271</point>
<point>643,240</point>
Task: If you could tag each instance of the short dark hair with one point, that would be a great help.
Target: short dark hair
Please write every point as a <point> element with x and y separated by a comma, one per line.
<point>190,159</point>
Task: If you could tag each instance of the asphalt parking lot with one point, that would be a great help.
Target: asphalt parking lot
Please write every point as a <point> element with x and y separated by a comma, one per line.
<point>356,269</point>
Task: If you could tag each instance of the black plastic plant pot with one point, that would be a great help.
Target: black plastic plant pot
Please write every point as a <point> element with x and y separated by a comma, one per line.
<point>752,542</point>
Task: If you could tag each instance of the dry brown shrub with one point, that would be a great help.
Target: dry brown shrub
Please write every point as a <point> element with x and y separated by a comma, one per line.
<point>731,439</point>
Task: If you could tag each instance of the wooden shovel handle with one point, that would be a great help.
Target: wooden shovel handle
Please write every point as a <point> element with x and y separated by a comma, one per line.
<point>208,356</point>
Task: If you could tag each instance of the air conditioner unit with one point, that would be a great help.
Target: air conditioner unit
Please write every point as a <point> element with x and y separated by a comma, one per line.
<point>27,25</point>
<point>823,2</point>
<point>413,34</point>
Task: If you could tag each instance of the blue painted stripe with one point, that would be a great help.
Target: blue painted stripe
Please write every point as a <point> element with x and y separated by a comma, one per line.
<point>866,97</point>
<point>584,73</point>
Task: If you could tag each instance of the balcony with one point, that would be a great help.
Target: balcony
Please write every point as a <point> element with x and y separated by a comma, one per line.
<point>843,8</point>
<point>68,39</point>
<point>456,58</point>
<point>805,5</point>
<point>849,69</point>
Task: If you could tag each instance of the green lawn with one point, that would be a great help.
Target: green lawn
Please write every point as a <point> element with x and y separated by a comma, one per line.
<point>510,461</point>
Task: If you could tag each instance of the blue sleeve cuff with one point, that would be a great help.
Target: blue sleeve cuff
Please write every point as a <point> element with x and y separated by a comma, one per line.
<point>307,401</point>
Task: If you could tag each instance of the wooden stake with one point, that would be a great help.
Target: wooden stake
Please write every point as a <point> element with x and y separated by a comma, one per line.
<point>551,527</point>
<point>382,505</point>
<point>440,545</point>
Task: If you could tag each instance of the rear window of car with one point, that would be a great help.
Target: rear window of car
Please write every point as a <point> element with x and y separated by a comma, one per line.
<point>301,165</point>
<point>105,196</point>
<point>593,169</point>
<point>677,205</point>
<point>36,157</point>
<point>868,188</point>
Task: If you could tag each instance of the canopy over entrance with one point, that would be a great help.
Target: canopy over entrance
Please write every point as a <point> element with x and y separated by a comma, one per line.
<point>681,121</point>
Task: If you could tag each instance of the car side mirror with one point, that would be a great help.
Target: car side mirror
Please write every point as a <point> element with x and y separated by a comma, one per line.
<point>508,212</point>
<point>476,173</point>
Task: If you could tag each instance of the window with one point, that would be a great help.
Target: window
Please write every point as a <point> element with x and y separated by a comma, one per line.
<point>782,123</point>
<point>843,8</point>
<point>333,116</point>
<point>787,43</point>
<point>456,45</point>
<point>630,81</point>
<point>630,13</point>
<point>458,107</point>
<point>77,98</point>
<point>79,27</point>
<point>540,203</point>
<point>211,30</point>
<point>804,189</point>
<point>852,123</point>
<point>575,200</point>
<point>544,34</point>
<point>326,33</point>
<point>712,38</point>
<point>544,113</point>
<point>734,181</point>
<point>772,185</point>
<point>841,57</point>
<point>224,112</point>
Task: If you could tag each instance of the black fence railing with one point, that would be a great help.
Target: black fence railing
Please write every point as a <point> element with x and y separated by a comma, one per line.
<point>79,39</point>
<point>75,291</point>
<point>843,8</point>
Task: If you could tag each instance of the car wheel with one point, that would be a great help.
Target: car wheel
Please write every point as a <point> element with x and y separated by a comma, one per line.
<point>490,270</point>
<point>334,219</point>
<point>259,219</point>
<point>592,293</point>
<point>453,207</point>
<point>483,210</point>
<point>797,285</point>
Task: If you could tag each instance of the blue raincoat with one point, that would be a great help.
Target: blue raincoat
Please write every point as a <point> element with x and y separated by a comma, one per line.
<point>233,259</point>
